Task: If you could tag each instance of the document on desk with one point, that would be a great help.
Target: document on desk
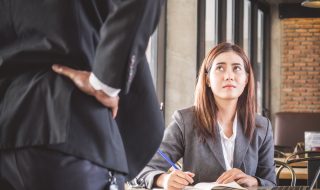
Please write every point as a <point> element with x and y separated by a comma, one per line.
<point>214,185</point>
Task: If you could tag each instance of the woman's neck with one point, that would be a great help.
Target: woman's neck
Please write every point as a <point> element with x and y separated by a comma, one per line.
<point>226,112</point>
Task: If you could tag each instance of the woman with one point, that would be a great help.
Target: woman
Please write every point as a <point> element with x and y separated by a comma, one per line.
<point>220,138</point>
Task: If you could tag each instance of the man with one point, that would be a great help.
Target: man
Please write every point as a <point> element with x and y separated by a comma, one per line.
<point>62,66</point>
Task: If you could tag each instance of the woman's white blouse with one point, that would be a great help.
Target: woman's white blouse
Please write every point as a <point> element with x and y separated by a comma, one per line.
<point>228,144</point>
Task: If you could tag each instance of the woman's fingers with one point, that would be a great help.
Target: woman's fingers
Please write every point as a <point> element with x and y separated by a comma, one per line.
<point>179,179</point>
<point>248,181</point>
<point>242,181</point>
<point>230,175</point>
<point>238,176</point>
<point>222,177</point>
<point>189,176</point>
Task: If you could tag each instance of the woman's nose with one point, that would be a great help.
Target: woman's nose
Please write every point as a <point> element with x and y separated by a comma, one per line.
<point>229,75</point>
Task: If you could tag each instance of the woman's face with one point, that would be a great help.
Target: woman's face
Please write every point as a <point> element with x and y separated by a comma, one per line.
<point>227,76</point>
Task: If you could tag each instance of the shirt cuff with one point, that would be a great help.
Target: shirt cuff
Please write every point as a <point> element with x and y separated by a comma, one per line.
<point>98,85</point>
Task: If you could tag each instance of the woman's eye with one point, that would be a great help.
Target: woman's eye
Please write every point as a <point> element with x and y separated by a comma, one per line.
<point>237,68</point>
<point>219,68</point>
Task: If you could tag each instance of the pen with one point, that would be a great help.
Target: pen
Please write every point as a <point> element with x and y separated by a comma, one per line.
<point>167,159</point>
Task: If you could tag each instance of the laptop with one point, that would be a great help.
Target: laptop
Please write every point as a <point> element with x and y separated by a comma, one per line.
<point>314,181</point>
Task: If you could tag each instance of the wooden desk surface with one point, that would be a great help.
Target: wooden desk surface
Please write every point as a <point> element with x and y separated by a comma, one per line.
<point>301,173</point>
<point>300,168</point>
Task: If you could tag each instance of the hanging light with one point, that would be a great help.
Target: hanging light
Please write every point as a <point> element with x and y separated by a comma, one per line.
<point>311,3</point>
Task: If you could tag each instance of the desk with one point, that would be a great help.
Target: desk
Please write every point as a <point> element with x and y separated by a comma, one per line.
<point>301,173</point>
<point>300,169</point>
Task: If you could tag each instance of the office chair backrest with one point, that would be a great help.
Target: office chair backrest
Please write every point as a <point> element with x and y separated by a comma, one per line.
<point>290,127</point>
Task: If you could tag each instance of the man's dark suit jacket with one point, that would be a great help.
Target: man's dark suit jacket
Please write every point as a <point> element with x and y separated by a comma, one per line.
<point>40,108</point>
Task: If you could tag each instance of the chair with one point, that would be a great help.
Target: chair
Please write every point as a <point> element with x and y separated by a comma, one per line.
<point>279,154</point>
<point>289,127</point>
<point>305,154</point>
<point>313,159</point>
<point>283,165</point>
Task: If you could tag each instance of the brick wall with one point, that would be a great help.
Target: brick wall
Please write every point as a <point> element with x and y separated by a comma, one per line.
<point>300,65</point>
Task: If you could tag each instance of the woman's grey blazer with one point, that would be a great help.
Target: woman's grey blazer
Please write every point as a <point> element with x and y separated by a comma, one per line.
<point>206,160</point>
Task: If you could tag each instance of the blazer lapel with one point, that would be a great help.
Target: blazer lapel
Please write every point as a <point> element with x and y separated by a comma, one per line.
<point>216,147</point>
<point>241,146</point>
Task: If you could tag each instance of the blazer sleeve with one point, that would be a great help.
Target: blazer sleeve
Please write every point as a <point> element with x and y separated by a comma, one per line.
<point>172,145</point>
<point>123,40</point>
<point>266,166</point>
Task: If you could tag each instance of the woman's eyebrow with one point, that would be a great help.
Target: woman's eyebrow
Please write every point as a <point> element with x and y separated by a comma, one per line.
<point>233,64</point>
<point>220,63</point>
<point>236,64</point>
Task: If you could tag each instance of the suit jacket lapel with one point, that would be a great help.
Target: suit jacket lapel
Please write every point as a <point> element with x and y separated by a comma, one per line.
<point>216,147</point>
<point>241,146</point>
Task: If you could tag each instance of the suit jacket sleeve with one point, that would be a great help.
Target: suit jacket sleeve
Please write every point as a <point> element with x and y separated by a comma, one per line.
<point>266,167</point>
<point>123,40</point>
<point>172,145</point>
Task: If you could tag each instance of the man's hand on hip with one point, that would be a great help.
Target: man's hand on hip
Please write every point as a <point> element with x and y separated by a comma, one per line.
<point>81,80</point>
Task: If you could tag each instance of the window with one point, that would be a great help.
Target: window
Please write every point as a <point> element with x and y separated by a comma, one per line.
<point>151,54</point>
<point>230,21</point>
<point>211,25</point>
<point>155,54</point>
<point>244,22</point>
<point>247,26</point>
<point>259,67</point>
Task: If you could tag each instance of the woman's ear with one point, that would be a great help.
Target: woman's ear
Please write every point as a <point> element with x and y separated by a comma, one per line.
<point>247,79</point>
<point>208,81</point>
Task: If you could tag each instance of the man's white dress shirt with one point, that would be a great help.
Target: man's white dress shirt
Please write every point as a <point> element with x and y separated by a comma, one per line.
<point>98,85</point>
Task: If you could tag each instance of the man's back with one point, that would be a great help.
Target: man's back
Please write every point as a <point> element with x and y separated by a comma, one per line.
<point>67,34</point>
<point>34,35</point>
<point>40,108</point>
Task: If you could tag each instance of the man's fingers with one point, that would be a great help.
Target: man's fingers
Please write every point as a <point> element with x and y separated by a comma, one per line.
<point>81,80</point>
<point>110,102</point>
<point>106,100</point>
<point>114,112</point>
<point>66,71</point>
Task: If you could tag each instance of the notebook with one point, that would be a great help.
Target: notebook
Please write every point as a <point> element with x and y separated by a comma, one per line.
<point>300,187</point>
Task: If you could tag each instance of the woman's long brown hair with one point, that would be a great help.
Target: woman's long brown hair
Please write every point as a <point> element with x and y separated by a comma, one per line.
<point>205,105</point>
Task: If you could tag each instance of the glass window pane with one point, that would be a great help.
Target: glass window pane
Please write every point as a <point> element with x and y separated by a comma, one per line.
<point>211,25</point>
<point>151,53</point>
<point>260,64</point>
<point>247,26</point>
<point>230,21</point>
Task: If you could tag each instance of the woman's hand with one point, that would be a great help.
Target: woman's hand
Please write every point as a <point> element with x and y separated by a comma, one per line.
<point>238,176</point>
<point>81,80</point>
<point>177,179</point>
